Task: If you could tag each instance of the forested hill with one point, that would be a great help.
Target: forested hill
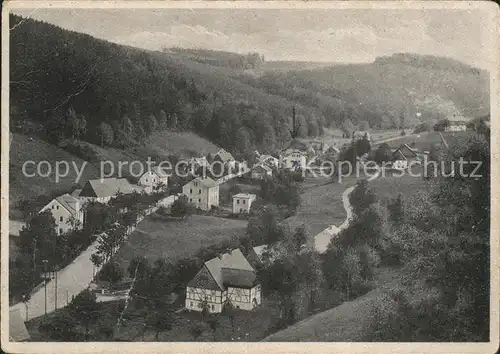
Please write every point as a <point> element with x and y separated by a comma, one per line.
<point>73,85</point>
<point>388,92</point>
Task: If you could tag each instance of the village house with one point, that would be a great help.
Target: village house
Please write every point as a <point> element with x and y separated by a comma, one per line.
<point>261,171</point>
<point>242,202</point>
<point>225,158</point>
<point>456,126</point>
<point>198,162</point>
<point>203,192</point>
<point>154,180</point>
<point>269,161</point>
<point>102,190</point>
<point>228,278</point>
<point>403,156</point>
<point>67,213</point>
<point>293,159</point>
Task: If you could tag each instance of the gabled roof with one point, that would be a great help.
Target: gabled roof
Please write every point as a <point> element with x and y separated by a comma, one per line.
<point>228,269</point>
<point>159,171</point>
<point>244,195</point>
<point>76,193</point>
<point>224,155</point>
<point>206,182</point>
<point>68,202</point>
<point>17,328</point>
<point>269,253</point>
<point>406,151</point>
<point>106,187</point>
<point>264,167</point>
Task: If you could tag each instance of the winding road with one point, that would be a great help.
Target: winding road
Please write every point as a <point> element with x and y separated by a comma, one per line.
<point>71,280</point>
<point>322,239</point>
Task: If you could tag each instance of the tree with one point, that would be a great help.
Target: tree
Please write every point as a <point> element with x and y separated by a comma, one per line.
<point>396,210</point>
<point>162,120</point>
<point>61,326</point>
<point>38,239</point>
<point>150,124</point>
<point>196,330</point>
<point>242,139</point>
<point>159,317</point>
<point>229,311</point>
<point>106,134</point>
<point>72,123</point>
<point>299,237</point>
<point>173,121</point>
<point>111,272</point>
<point>347,127</point>
<point>140,133</point>
<point>361,197</point>
<point>441,125</point>
<point>181,207</point>
<point>85,308</point>
<point>352,268</point>
<point>383,154</point>
<point>213,323</point>
<point>127,125</point>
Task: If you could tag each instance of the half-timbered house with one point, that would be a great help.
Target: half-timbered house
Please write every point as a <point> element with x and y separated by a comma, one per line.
<point>226,278</point>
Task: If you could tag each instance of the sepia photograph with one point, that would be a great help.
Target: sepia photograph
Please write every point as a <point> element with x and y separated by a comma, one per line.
<point>217,174</point>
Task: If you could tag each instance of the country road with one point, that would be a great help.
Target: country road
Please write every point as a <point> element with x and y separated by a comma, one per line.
<point>322,239</point>
<point>71,280</point>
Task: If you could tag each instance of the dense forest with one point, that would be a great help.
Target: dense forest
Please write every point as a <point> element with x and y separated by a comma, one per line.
<point>71,85</point>
<point>387,93</point>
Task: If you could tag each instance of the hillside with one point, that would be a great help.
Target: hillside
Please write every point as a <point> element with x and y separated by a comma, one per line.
<point>60,78</point>
<point>382,92</point>
<point>159,146</point>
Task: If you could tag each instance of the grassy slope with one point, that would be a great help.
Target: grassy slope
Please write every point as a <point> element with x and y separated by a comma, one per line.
<point>174,240</point>
<point>424,141</point>
<point>22,187</point>
<point>159,145</point>
<point>349,321</point>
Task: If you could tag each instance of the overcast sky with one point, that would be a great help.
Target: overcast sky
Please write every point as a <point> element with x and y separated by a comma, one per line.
<point>347,35</point>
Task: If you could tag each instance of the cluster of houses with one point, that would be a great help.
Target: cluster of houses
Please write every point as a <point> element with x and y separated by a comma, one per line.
<point>67,209</point>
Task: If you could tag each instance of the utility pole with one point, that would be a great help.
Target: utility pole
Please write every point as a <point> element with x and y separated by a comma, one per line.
<point>45,282</point>
<point>55,305</point>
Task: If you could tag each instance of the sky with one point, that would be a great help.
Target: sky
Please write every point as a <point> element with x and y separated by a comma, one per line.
<point>326,35</point>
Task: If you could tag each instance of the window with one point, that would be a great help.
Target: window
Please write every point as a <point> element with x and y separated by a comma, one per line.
<point>146,180</point>
<point>191,304</point>
<point>199,305</point>
<point>60,231</point>
<point>199,192</point>
<point>241,210</point>
<point>52,207</point>
<point>196,184</point>
<point>213,307</point>
<point>190,200</point>
<point>244,201</point>
<point>199,200</point>
<point>60,218</point>
<point>57,207</point>
<point>190,191</point>
<point>237,201</point>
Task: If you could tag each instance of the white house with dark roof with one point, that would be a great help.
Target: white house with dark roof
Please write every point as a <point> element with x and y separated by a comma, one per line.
<point>242,202</point>
<point>154,180</point>
<point>203,192</point>
<point>293,159</point>
<point>226,278</point>
<point>102,190</point>
<point>67,213</point>
<point>226,158</point>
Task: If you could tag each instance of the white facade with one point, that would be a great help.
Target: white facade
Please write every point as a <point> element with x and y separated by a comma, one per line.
<point>456,128</point>
<point>152,181</point>
<point>67,218</point>
<point>245,299</point>
<point>215,299</point>
<point>293,160</point>
<point>242,202</point>
<point>203,195</point>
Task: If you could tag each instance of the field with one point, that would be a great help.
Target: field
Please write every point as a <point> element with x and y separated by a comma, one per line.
<point>321,204</point>
<point>424,141</point>
<point>389,187</point>
<point>155,238</point>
